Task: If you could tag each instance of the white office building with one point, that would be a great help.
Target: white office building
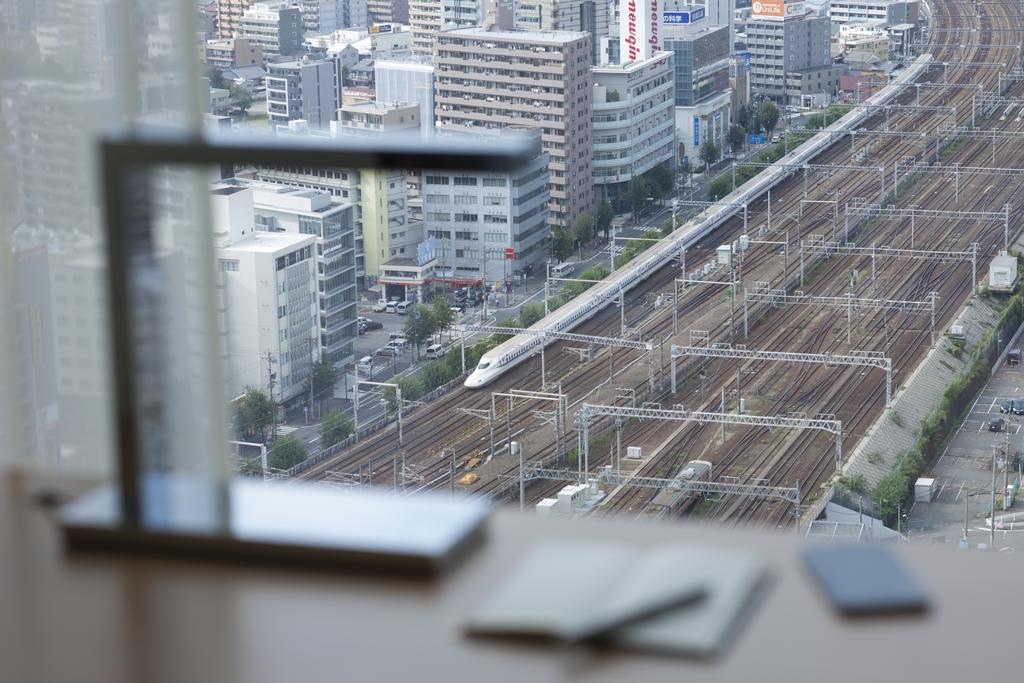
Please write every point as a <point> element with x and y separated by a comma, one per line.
<point>409,80</point>
<point>324,16</point>
<point>268,291</point>
<point>887,11</point>
<point>471,219</point>
<point>634,121</point>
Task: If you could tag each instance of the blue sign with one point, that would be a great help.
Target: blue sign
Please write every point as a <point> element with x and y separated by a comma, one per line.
<point>426,251</point>
<point>746,61</point>
<point>690,17</point>
<point>755,139</point>
<point>696,131</point>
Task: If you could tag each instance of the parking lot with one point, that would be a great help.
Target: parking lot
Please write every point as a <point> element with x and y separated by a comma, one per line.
<point>964,471</point>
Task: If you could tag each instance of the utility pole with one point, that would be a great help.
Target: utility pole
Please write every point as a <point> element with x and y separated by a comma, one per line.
<point>992,518</point>
<point>270,385</point>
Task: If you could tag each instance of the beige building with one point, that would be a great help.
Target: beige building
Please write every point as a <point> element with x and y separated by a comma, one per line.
<point>425,22</point>
<point>538,79</point>
<point>230,53</point>
<point>229,12</point>
<point>377,117</point>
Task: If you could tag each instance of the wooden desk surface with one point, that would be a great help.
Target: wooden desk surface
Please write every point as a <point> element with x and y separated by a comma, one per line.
<point>108,619</point>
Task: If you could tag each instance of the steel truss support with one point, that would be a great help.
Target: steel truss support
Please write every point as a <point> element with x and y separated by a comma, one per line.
<point>560,419</point>
<point>763,293</point>
<point>870,359</point>
<point>788,494</point>
<point>860,208</point>
<point>993,135</point>
<point>589,411</point>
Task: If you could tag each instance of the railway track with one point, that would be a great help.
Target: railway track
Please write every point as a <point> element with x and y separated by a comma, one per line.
<point>706,308</point>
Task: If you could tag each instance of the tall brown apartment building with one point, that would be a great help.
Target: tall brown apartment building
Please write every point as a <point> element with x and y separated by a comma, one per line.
<point>229,13</point>
<point>492,79</point>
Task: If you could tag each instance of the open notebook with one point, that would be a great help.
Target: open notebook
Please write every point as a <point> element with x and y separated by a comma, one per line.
<point>562,591</point>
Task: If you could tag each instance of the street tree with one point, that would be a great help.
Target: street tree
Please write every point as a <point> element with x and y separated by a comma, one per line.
<point>335,428</point>
<point>737,136</point>
<point>768,116</point>
<point>530,313</point>
<point>321,381</point>
<point>286,453</point>
<point>561,244</point>
<point>660,178</point>
<point>605,215</point>
<point>637,194</point>
<point>441,315</point>
<point>216,77</point>
<point>709,152</point>
<point>418,326</point>
<point>253,413</point>
<point>583,229</point>
<point>241,99</point>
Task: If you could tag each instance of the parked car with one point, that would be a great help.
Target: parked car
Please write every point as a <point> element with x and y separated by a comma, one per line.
<point>371,325</point>
<point>397,344</point>
<point>362,319</point>
<point>386,351</point>
<point>380,306</point>
<point>365,364</point>
<point>457,308</point>
<point>1005,406</point>
<point>436,351</point>
<point>1017,406</point>
<point>996,424</point>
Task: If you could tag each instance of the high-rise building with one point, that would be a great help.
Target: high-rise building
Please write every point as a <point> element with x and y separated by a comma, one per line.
<point>303,89</point>
<point>424,22</point>
<point>276,28</point>
<point>538,79</point>
<point>718,13</point>
<point>591,16</point>
<point>634,121</point>
<point>473,219</point>
<point>229,14</point>
<point>784,40</point>
<point>387,11</point>
<point>410,80</point>
<point>700,62</point>
<point>324,16</point>
<point>269,294</point>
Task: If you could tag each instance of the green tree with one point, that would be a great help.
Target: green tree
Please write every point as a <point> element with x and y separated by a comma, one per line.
<point>321,381</point>
<point>719,188</point>
<point>605,215</point>
<point>709,152</point>
<point>286,453</point>
<point>583,229</point>
<point>561,244</point>
<point>253,413</point>
<point>241,98</point>
<point>660,178</point>
<point>216,77</point>
<point>637,194</point>
<point>612,96</point>
<point>335,428</point>
<point>768,116</point>
<point>440,314</point>
<point>891,489</point>
<point>737,136</point>
<point>418,326</point>
<point>251,467</point>
<point>530,313</point>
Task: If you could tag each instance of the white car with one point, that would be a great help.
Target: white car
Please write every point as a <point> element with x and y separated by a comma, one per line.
<point>380,306</point>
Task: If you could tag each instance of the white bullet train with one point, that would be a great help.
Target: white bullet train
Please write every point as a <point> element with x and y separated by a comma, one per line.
<point>513,351</point>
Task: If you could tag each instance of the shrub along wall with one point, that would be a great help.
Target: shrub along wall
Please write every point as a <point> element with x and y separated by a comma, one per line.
<point>941,424</point>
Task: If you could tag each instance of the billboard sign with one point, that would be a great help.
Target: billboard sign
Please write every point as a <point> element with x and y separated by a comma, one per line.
<point>776,10</point>
<point>426,252</point>
<point>639,28</point>
<point>696,131</point>
<point>686,17</point>
<point>380,28</point>
<point>755,139</point>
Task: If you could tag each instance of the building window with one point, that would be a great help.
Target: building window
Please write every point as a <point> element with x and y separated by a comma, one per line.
<point>229,266</point>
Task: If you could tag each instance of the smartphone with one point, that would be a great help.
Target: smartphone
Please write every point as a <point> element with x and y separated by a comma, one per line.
<point>865,579</point>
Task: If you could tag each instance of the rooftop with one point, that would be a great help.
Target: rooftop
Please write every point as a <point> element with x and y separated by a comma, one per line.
<point>550,37</point>
<point>263,242</point>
